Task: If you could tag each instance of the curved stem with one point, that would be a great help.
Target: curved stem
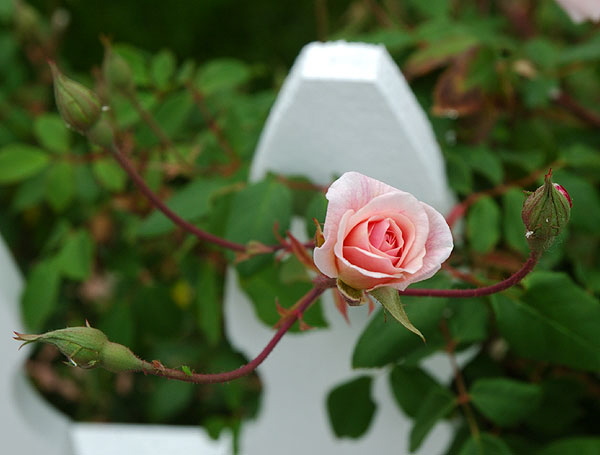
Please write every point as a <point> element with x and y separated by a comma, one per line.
<point>157,369</point>
<point>478,292</point>
<point>160,205</point>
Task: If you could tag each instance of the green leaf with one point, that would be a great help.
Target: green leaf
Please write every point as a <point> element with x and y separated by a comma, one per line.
<point>137,60</point>
<point>190,203</point>
<point>389,298</point>
<point>469,320</point>
<point>162,68</point>
<point>483,225</point>
<point>317,208</point>
<point>109,174</point>
<point>30,193</point>
<point>504,401</point>
<point>555,321</point>
<point>254,212</point>
<point>51,132</point>
<point>40,295</point>
<point>460,176</point>
<point>20,161</point>
<point>169,398</point>
<point>118,323</point>
<point>265,288</point>
<point>222,74</point>
<point>410,385</point>
<point>484,161</point>
<point>60,185</point>
<point>170,114</point>
<point>437,405</point>
<point>351,408</point>
<point>486,444</point>
<point>208,302</point>
<point>75,258</point>
<point>573,446</point>
<point>384,342</point>
<point>512,224</point>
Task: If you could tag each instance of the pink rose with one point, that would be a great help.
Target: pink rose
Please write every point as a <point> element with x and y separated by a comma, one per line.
<point>376,235</point>
<point>581,10</point>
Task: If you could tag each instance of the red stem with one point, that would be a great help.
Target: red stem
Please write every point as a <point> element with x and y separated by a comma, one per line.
<point>477,292</point>
<point>160,205</point>
<point>156,369</point>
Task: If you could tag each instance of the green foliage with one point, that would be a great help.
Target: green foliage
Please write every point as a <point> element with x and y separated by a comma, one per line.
<point>351,408</point>
<point>436,405</point>
<point>486,444</point>
<point>20,161</point>
<point>483,225</point>
<point>410,385</point>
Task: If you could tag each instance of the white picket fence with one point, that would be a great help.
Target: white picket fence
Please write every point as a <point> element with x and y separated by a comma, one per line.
<point>344,106</point>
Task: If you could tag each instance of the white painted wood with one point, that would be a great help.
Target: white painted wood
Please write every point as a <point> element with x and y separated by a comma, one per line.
<point>343,107</point>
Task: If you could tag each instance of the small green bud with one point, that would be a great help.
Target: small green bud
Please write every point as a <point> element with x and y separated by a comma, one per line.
<point>101,134</point>
<point>116,71</point>
<point>545,213</point>
<point>86,347</point>
<point>79,107</point>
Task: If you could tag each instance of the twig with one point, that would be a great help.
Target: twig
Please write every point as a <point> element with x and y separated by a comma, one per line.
<point>584,114</point>
<point>157,369</point>
<point>160,205</point>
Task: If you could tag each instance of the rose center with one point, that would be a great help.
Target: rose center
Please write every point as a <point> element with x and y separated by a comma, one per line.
<point>386,236</point>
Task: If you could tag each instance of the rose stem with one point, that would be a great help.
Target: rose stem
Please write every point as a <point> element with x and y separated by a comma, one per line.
<point>303,304</point>
<point>478,292</point>
<point>160,205</point>
<point>463,396</point>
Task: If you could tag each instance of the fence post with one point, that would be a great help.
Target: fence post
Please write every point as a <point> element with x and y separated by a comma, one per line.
<point>343,107</point>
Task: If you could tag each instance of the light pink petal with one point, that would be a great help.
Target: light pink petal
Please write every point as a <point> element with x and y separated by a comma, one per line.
<point>439,246</point>
<point>359,236</point>
<point>370,261</point>
<point>324,256</point>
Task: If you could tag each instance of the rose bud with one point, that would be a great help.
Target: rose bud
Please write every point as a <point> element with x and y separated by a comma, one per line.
<point>376,235</point>
<point>545,213</point>
<point>79,107</point>
<point>87,347</point>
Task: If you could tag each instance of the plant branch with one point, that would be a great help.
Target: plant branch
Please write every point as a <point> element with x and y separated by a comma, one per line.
<point>160,205</point>
<point>157,369</point>
<point>527,267</point>
<point>584,114</point>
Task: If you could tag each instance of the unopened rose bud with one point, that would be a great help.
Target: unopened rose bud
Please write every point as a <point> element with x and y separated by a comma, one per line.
<point>79,107</point>
<point>116,71</point>
<point>545,213</point>
<point>86,347</point>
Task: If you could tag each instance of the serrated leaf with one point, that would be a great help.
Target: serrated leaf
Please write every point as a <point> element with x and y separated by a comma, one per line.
<point>60,185</point>
<point>505,402</point>
<point>435,407</point>
<point>555,321</point>
<point>483,225</point>
<point>20,161</point>
<point>485,444</point>
<point>351,408</point>
<point>51,132</point>
<point>40,295</point>
<point>389,298</point>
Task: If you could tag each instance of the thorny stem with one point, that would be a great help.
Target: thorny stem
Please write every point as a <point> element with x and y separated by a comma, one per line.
<point>155,368</point>
<point>160,205</point>
<point>463,395</point>
<point>478,292</point>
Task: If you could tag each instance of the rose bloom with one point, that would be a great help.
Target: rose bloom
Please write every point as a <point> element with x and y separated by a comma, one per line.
<point>376,235</point>
<point>581,10</point>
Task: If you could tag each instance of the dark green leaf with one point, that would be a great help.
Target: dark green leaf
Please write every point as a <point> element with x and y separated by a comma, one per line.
<point>573,446</point>
<point>437,405</point>
<point>460,176</point>
<point>555,321</point>
<point>40,295</point>
<point>118,323</point>
<point>169,398</point>
<point>384,342</point>
<point>51,132</point>
<point>109,174</point>
<point>317,208</point>
<point>254,213</point>
<point>410,385</point>
<point>208,303</point>
<point>162,68</point>
<point>388,297</point>
<point>30,193</point>
<point>76,256</point>
<point>483,225</point>
<point>171,115</point>
<point>469,320</point>
<point>222,74</point>
<point>512,224</point>
<point>20,161</point>
<point>60,185</point>
<point>351,408</point>
<point>504,401</point>
<point>486,444</point>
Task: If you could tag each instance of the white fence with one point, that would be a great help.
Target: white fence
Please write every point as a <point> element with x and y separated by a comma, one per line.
<point>343,107</point>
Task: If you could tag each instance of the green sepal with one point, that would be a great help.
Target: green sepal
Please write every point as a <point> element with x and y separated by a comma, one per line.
<point>389,298</point>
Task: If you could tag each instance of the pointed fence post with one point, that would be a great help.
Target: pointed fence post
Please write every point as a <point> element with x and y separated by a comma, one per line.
<point>344,106</point>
